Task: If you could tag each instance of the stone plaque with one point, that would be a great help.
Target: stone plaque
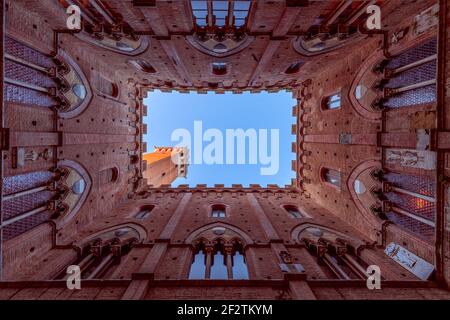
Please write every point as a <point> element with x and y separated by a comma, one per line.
<point>421,159</point>
<point>408,260</point>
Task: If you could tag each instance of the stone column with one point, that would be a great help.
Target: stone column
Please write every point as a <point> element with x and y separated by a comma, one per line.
<point>209,251</point>
<point>229,260</point>
<point>139,286</point>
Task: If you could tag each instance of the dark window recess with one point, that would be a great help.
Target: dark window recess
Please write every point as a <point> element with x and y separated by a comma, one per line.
<point>143,66</point>
<point>293,212</point>
<point>332,176</point>
<point>144,212</point>
<point>108,175</point>
<point>218,211</point>
<point>219,68</point>
<point>332,102</point>
<point>294,68</point>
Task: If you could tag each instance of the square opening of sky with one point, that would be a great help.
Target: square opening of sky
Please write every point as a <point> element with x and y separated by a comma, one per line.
<point>208,117</point>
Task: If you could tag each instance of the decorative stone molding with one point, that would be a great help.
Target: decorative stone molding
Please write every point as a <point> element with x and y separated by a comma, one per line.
<point>212,232</point>
<point>78,184</point>
<point>219,46</point>
<point>74,92</point>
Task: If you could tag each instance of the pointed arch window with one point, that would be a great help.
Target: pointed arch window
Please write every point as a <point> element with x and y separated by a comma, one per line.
<point>294,212</point>
<point>337,258</point>
<point>331,176</point>
<point>219,68</point>
<point>106,86</point>
<point>220,13</point>
<point>222,260</point>
<point>100,257</point>
<point>143,65</point>
<point>144,212</point>
<point>294,68</point>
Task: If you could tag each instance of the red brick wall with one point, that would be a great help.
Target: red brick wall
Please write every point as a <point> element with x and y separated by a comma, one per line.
<point>107,132</point>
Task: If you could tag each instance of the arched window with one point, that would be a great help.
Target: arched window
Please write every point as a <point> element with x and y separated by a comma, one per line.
<point>143,66</point>
<point>219,68</point>
<point>144,212</point>
<point>294,212</point>
<point>220,13</point>
<point>360,91</point>
<point>106,87</point>
<point>359,187</point>
<point>101,255</point>
<point>218,211</point>
<point>109,175</point>
<point>332,177</point>
<point>332,102</point>
<point>294,68</point>
<point>222,260</point>
<point>198,265</point>
<point>336,257</point>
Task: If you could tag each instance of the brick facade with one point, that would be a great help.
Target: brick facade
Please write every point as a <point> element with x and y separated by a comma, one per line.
<point>72,174</point>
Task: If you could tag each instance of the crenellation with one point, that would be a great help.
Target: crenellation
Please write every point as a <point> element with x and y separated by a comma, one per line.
<point>370,128</point>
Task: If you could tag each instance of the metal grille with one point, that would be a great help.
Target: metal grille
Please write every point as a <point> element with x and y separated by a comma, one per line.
<point>20,50</point>
<point>415,75</point>
<point>25,181</point>
<point>19,227</point>
<point>415,227</point>
<point>27,96</point>
<point>418,74</point>
<point>414,54</point>
<point>414,205</point>
<point>423,185</point>
<point>413,97</point>
<point>17,94</point>
<point>19,72</point>
<point>14,207</point>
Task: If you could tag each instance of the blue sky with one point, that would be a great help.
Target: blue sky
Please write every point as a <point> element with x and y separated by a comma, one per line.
<point>170,111</point>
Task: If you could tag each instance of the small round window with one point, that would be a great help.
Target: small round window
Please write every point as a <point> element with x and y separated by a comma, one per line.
<point>123,46</point>
<point>359,187</point>
<point>79,90</point>
<point>360,91</point>
<point>78,187</point>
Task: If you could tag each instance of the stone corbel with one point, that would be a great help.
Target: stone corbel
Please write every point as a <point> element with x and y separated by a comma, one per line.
<point>285,256</point>
<point>97,248</point>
